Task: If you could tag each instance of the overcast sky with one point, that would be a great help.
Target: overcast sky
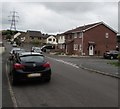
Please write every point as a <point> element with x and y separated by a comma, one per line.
<point>56,17</point>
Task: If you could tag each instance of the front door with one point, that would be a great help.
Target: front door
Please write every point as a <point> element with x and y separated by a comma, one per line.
<point>91,50</point>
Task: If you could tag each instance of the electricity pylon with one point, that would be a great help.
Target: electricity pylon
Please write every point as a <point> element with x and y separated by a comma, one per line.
<point>13,20</point>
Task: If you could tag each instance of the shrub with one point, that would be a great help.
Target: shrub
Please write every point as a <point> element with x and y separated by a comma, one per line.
<point>35,43</point>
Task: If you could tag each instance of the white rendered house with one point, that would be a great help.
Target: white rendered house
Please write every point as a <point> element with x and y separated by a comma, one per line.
<point>51,40</point>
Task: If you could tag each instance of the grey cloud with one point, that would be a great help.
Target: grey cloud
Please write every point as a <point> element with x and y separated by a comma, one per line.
<point>51,17</point>
<point>63,7</point>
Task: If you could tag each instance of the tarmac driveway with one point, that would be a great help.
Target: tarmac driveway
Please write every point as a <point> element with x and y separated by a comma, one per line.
<point>102,66</point>
<point>94,64</point>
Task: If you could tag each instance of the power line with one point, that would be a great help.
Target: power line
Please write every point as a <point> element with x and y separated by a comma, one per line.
<point>13,20</point>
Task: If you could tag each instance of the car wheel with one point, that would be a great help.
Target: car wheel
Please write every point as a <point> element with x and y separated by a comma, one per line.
<point>111,57</point>
<point>13,79</point>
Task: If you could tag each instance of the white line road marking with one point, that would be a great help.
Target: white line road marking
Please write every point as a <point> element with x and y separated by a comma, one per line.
<point>80,66</point>
<point>10,89</point>
<point>68,63</point>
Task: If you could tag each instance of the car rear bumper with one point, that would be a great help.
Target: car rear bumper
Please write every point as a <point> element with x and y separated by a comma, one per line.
<point>20,75</point>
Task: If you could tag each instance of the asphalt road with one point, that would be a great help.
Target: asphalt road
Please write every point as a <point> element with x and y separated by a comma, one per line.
<point>96,64</point>
<point>69,87</point>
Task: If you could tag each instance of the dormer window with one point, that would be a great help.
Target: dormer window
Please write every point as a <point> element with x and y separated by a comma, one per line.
<point>50,39</point>
<point>53,40</point>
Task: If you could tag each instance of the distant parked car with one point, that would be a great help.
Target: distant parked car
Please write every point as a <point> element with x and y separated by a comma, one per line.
<point>15,51</point>
<point>29,66</point>
<point>112,54</point>
<point>14,44</point>
<point>36,49</point>
<point>47,47</point>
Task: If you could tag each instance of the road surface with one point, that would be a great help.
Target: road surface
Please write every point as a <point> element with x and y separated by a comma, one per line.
<point>69,87</point>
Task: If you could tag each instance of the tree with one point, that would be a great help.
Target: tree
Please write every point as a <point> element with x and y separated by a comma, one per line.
<point>17,40</point>
<point>8,36</point>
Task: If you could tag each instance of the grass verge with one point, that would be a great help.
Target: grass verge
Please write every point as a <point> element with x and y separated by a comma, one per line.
<point>117,64</point>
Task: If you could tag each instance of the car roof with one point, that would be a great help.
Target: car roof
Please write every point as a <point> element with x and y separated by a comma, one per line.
<point>16,48</point>
<point>113,51</point>
<point>30,53</point>
<point>36,47</point>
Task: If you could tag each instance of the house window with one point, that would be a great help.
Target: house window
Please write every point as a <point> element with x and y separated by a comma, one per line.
<point>75,35</point>
<point>50,39</point>
<point>32,37</point>
<point>63,46</point>
<point>106,35</point>
<point>70,37</point>
<point>39,38</point>
<point>75,46</point>
<point>81,34</point>
<point>61,38</point>
<point>53,40</point>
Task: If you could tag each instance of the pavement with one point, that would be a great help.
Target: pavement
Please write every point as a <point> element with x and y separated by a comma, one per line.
<point>102,68</point>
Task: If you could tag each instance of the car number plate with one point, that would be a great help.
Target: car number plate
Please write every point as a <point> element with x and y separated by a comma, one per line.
<point>34,75</point>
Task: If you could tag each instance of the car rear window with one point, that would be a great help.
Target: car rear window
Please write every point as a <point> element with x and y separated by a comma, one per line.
<point>32,58</point>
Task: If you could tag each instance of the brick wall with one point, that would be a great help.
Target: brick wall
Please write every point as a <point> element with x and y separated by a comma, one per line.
<point>98,35</point>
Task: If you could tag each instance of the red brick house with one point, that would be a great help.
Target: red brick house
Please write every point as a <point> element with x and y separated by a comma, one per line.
<point>32,36</point>
<point>93,39</point>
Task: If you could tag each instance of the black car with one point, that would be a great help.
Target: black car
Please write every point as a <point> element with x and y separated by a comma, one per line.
<point>29,66</point>
<point>112,54</point>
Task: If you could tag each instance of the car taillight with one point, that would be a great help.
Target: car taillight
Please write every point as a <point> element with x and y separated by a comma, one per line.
<point>46,65</point>
<point>18,66</point>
